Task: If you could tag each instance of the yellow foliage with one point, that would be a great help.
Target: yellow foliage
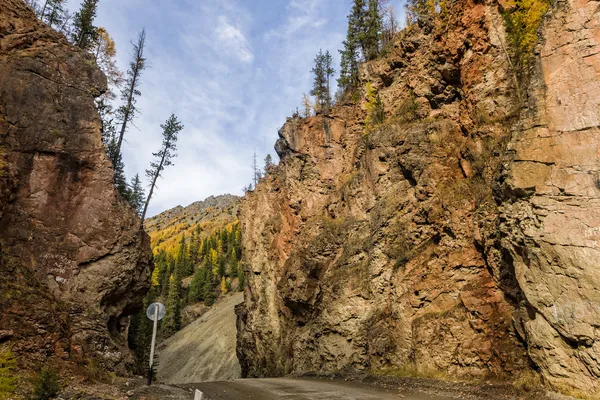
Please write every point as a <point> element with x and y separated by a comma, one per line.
<point>374,108</point>
<point>155,281</point>
<point>110,49</point>
<point>8,379</point>
<point>223,286</point>
<point>523,22</point>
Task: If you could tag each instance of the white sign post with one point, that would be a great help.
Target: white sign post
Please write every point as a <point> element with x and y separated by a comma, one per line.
<point>155,312</point>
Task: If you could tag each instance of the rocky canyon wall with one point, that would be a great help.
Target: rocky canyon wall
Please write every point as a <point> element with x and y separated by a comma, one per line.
<point>74,263</point>
<point>460,235</point>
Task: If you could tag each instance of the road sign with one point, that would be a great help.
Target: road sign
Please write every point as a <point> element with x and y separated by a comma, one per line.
<point>151,311</point>
<point>155,312</point>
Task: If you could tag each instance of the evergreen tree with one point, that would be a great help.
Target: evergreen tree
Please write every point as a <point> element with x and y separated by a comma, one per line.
<point>322,72</point>
<point>329,71</point>
<point>268,163</point>
<point>197,286</point>
<point>183,263</point>
<point>172,320</point>
<point>84,31</point>
<point>131,90</point>
<point>171,129</point>
<point>195,249</point>
<point>371,35</point>
<point>350,55</point>
<point>53,12</point>
<point>136,197</point>
<point>241,277</point>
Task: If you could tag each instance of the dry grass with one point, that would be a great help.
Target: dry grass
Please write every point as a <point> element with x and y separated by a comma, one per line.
<point>410,370</point>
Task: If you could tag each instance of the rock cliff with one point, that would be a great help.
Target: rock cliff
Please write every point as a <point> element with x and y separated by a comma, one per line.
<point>460,236</point>
<point>74,264</point>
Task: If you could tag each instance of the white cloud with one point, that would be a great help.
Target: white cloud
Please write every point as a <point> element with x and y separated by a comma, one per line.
<point>231,39</point>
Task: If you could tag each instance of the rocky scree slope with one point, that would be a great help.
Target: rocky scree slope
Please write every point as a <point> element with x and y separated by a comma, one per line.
<point>74,263</point>
<point>461,236</point>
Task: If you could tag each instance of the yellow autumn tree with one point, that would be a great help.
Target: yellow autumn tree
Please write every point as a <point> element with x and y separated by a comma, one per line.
<point>155,281</point>
<point>223,286</point>
<point>523,22</point>
<point>105,52</point>
<point>374,108</point>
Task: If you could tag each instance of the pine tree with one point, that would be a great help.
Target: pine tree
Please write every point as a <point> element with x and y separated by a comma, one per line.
<point>84,31</point>
<point>268,163</point>
<point>171,129</point>
<point>350,55</point>
<point>197,286</point>
<point>172,320</point>
<point>53,12</point>
<point>329,71</point>
<point>136,197</point>
<point>241,277</point>
<point>183,263</point>
<point>322,72</point>
<point>131,90</point>
<point>195,249</point>
<point>371,34</point>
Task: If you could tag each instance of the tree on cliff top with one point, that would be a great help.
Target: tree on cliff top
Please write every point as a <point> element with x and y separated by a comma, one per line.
<point>350,55</point>
<point>171,129</point>
<point>371,32</point>
<point>53,12</point>
<point>136,197</point>
<point>105,52</point>
<point>131,90</point>
<point>84,32</point>
<point>322,72</point>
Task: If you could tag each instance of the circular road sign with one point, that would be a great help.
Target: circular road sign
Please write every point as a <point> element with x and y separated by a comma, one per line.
<point>151,310</point>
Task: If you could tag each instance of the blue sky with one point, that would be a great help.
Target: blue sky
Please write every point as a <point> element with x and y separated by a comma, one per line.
<point>231,70</point>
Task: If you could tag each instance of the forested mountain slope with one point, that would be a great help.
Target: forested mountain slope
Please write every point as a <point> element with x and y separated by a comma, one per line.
<point>197,252</point>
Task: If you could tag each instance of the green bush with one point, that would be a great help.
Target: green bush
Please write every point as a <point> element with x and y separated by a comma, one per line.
<point>8,380</point>
<point>46,385</point>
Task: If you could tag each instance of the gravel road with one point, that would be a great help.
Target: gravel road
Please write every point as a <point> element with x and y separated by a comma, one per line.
<point>299,389</point>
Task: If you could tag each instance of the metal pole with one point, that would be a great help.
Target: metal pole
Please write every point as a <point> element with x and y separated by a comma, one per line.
<point>152,344</point>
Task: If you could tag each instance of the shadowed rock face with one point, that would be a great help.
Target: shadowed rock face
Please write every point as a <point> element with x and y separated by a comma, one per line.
<point>74,263</point>
<point>458,236</point>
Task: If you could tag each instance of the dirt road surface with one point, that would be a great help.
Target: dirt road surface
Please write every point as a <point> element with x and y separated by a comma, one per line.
<point>300,389</point>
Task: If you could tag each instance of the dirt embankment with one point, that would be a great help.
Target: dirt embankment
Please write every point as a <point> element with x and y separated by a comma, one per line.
<point>205,349</point>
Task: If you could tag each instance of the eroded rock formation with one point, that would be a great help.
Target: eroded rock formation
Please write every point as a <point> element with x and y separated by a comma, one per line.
<point>74,263</point>
<point>459,236</point>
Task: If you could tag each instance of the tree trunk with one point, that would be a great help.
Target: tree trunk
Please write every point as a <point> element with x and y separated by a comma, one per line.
<point>156,175</point>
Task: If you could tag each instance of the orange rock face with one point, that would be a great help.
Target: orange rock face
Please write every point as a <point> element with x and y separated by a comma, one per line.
<point>74,263</point>
<point>444,238</point>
